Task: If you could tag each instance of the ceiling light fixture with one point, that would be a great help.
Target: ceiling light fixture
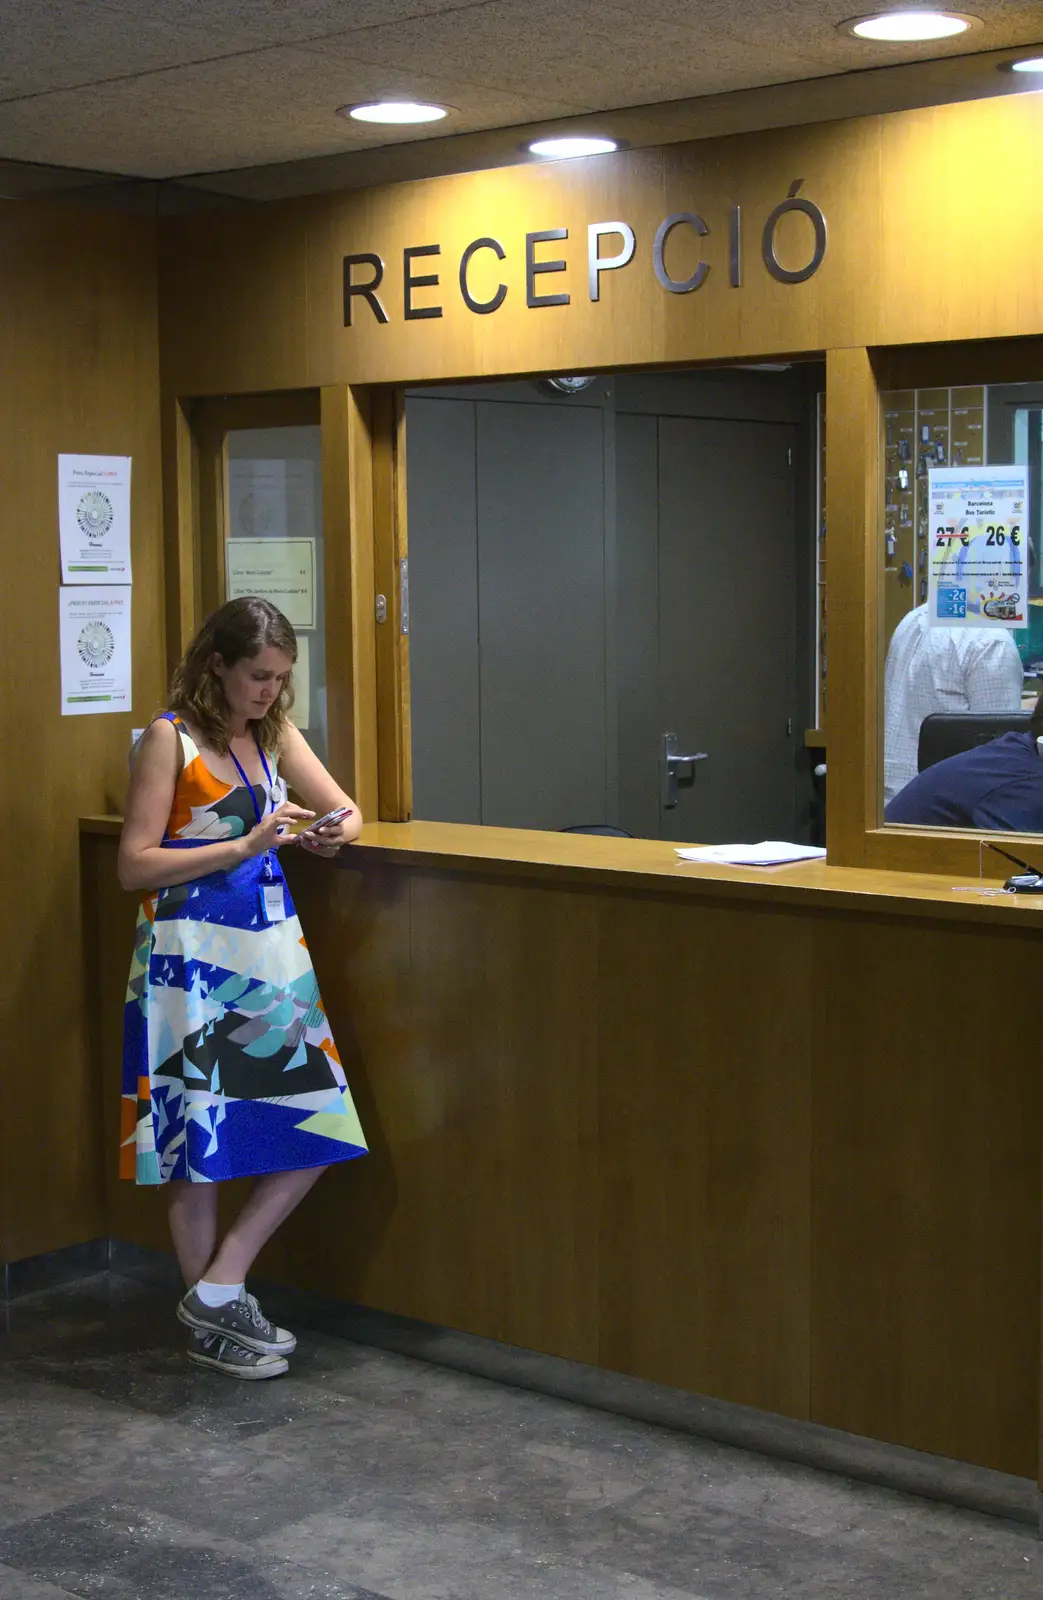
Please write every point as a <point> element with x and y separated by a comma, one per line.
<point>394,111</point>
<point>910,26</point>
<point>1033,64</point>
<point>561,148</point>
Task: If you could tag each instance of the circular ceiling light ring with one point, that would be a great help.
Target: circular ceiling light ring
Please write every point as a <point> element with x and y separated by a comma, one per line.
<point>567,147</point>
<point>909,25</point>
<point>394,113</point>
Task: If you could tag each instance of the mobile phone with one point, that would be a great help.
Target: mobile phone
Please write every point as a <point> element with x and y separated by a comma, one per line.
<point>336,815</point>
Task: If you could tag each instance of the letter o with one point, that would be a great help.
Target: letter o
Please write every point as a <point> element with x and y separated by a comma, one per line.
<point>771,260</point>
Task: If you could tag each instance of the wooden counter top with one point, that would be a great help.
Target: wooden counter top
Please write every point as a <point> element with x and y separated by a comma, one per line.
<point>624,863</point>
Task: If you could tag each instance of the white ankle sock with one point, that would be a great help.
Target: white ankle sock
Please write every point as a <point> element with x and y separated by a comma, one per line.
<point>218,1294</point>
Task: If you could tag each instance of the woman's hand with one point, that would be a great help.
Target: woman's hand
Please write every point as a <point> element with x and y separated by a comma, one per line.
<point>267,834</point>
<point>329,840</point>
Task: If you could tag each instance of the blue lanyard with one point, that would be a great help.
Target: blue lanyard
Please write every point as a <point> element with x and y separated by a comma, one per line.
<point>249,786</point>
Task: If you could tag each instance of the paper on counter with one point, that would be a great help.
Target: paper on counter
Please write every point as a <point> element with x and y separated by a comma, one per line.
<point>770,853</point>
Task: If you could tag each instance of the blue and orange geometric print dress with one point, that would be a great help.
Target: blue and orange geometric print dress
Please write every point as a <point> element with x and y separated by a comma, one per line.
<point>229,1066</point>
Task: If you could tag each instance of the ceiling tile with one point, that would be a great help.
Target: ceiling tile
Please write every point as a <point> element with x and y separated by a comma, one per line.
<point>257,22</point>
<point>584,51</point>
<point>69,43</point>
<point>65,44</point>
<point>274,105</point>
<point>810,27</point>
<point>158,88</point>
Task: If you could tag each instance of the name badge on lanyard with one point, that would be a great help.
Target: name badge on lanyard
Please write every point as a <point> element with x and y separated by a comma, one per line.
<point>273,898</point>
<point>273,902</point>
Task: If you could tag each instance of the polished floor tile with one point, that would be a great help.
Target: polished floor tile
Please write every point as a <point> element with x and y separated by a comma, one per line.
<point>126,1473</point>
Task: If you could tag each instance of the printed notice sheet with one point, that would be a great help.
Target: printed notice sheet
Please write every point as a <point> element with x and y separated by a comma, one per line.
<point>978,539</point>
<point>279,570</point>
<point>94,634</point>
<point>94,518</point>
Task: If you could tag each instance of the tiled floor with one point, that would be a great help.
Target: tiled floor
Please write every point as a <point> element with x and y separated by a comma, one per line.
<point>129,1475</point>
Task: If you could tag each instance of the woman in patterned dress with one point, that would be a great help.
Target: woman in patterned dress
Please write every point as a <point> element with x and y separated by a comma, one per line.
<point>229,1066</point>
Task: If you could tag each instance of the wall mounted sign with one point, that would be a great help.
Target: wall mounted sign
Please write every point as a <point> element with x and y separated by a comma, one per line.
<point>94,518</point>
<point>978,541</point>
<point>610,246</point>
<point>94,635</point>
<point>279,570</point>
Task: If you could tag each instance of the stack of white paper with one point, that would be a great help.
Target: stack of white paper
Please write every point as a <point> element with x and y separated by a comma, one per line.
<point>770,853</point>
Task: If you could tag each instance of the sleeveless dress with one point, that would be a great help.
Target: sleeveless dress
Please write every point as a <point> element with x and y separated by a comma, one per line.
<point>229,1066</point>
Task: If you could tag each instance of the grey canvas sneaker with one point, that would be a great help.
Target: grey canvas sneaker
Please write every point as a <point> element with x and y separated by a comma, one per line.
<point>242,1320</point>
<point>221,1352</point>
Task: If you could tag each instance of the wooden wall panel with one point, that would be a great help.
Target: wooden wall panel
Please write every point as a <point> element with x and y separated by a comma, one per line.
<point>255,303</point>
<point>109,918</point>
<point>928,1125</point>
<point>80,343</point>
<point>711,1144</point>
<point>853,602</point>
<point>704,1132</point>
<point>265,341</point>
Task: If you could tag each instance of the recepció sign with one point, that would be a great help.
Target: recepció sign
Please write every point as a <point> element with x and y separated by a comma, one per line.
<point>364,271</point>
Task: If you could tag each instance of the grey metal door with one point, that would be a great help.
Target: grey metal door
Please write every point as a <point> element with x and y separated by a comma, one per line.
<point>727,625</point>
<point>541,600</point>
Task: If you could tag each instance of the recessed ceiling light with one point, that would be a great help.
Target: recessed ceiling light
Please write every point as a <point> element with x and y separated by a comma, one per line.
<point>1033,64</point>
<point>908,27</point>
<point>572,145</point>
<point>394,111</point>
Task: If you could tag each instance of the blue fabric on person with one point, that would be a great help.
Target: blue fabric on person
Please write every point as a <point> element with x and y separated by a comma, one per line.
<point>997,787</point>
<point>229,1064</point>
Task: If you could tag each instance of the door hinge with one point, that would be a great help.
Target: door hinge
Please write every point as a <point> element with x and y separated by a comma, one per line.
<point>789,455</point>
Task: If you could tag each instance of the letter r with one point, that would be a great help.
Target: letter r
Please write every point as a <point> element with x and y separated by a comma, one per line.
<point>367,290</point>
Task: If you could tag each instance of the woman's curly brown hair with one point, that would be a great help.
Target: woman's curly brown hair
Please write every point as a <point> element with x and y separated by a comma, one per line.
<point>241,629</point>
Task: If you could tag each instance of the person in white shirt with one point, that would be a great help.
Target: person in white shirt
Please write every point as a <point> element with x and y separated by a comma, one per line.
<point>941,669</point>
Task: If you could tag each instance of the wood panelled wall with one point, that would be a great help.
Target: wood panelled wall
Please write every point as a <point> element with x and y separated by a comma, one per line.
<point>253,299</point>
<point>78,326</point>
<point>713,1144</point>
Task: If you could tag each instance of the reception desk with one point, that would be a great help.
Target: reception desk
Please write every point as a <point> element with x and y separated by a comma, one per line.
<point>770,1136</point>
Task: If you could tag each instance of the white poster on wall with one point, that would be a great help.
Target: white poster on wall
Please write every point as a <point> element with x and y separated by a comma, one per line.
<point>94,518</point>
<point>978,539</point>
<point>279,570</point>
<point>94,640</point>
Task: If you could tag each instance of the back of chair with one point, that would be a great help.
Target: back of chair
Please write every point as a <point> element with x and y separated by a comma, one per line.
<point>598,827</point>
<point>947,733</point>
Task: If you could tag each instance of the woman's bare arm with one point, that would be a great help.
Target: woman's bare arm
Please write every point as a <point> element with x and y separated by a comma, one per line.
<point>308,778</point>
<point>143,861</point>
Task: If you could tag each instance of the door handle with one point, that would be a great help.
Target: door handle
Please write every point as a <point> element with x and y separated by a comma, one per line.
<point>675,770</point>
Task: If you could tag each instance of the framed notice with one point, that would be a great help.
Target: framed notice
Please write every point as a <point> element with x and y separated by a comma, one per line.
<point>978,542</point>
<point>279,570</point>
<point>94,518</point>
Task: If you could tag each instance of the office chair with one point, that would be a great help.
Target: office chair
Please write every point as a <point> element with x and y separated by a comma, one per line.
<point>598,827</point>
<point>947,733</point>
